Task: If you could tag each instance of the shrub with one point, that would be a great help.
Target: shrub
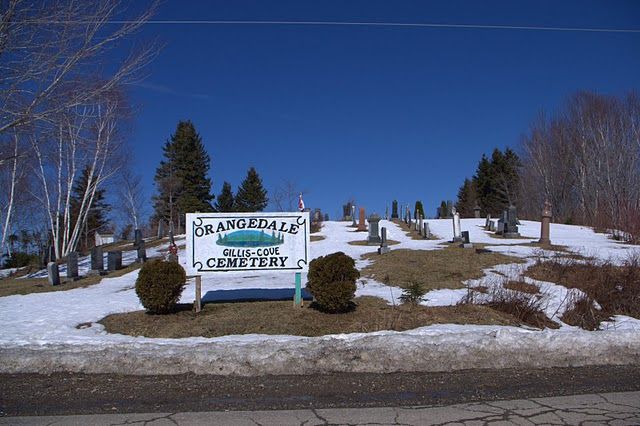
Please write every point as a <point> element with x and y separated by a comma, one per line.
<point>526,308</point>
<point>583,313</point>
<point>332,281</point>
<point>20,259</point>
<point>413,294</point>
<point>159,285</point>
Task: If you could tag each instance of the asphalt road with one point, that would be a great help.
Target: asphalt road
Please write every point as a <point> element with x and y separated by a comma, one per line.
<point>64,393</point>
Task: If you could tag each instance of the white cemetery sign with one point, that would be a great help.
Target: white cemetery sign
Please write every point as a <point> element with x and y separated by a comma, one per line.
<point>220,242</point>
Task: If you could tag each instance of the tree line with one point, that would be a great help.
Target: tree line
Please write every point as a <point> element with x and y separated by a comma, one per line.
<point>584,159</point>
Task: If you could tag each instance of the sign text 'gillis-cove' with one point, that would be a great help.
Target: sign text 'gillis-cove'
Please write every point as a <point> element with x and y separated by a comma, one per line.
<point>247,241</point>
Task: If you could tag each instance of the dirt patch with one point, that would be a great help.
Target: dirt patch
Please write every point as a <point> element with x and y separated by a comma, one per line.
<point>12,286</point>
<point>434,269</point>
<point>317,237</point>
<point>371,314</point>
<point>365,243</point>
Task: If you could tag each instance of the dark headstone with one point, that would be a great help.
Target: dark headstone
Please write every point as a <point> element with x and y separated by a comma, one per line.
<point>394,209</point>
<point>114,260</point>
<point>137,237</point>
<point>510,229</point>
<point>326,217</point>
<point>97,259</point>
<point>384,247</point>
<point>465,237</point>
<point>51,257</point>
<point>53,274</point>
<point>476,211</point>
<point>72,265</point>
<point>142,252</point>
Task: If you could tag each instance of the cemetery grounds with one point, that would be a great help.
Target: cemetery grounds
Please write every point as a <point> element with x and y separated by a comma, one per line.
<point>99,326</point>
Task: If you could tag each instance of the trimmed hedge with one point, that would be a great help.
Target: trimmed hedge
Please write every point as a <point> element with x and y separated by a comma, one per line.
<point>159,285</point>
<point>332,281</point>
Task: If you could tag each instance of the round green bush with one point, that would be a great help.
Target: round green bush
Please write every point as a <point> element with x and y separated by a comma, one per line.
<point>159,285</point>
<point>332,281</point>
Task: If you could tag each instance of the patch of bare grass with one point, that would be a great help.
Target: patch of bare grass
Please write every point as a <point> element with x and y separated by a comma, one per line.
<point>525,307</point>
<point>371,314</point>
<point>317,237</point>
<point>434,269</point>
<point>365,243</point>
<point>12,286</point>
<point>583,313</point>
<point>616,288</point>
<point>410,231</point>
<point>522,286</point>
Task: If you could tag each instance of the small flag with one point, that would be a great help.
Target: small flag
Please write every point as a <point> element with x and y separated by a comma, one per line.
<point>300,203</point>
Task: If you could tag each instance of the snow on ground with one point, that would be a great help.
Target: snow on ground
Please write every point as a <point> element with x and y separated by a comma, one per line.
<point>47,321</point>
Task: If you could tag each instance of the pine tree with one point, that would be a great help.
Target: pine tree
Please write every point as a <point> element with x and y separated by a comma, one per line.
<point>467,199</point>
<point>418,210</point>
<point>224,203</point>
<point>497,181</point>
<point>251,195</point>
<point>443,211</point>
<point>97,220</point>
<point>181,178</point>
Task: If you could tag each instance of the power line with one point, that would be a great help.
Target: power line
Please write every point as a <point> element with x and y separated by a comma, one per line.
<point>361,24</point>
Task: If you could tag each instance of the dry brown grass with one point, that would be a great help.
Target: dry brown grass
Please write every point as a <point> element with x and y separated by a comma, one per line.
<point>525,307</point>
<point>583,313</point>
<point>365,243</point>
<point>434,269</point>
<point>411,232</point>
<point>522,286</point>
<point>317,237</point>
<point>371,314</point>
<point>12,286</point>
<point>615,288</point>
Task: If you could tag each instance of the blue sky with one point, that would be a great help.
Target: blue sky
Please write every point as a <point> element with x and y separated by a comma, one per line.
<point>373,113</point>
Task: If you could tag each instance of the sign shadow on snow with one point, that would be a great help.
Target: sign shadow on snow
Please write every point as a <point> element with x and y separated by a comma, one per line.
<point>252,295</point>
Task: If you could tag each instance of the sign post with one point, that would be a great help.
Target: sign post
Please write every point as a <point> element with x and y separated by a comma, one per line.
<point>227,242</point>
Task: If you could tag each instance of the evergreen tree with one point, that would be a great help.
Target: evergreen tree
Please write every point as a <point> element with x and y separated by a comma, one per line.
<point>497,181</point>
<point>97,220</point>
<point>418,210</point>
<point>181,178</point>
<point>467,199</point>
<point>224,203</point>
<point>443,211</point>
<point>251,195</point>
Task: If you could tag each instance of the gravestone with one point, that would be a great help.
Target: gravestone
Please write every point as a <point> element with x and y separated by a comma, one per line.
<point>384,246</point>
<point>353,216</point>
<point>317,215</point>
<point>545,224</point>
<point>142,252</point>
<point>492,226</point>
<point>386,213</point>
<point>394,209</point>
<point>72,265</point>
<point>97,259</point>
<point>114,260</point>
<point>450,209</point>
<point>137,239</point>
<point>326,217</point>
<point>457,236</point>
<point>53,274</point>
<point>362,226</point>
<point>161,228</point>
<point>510,229</point>
<point>476,211</point>
<point>426,233</point>
<point>466,243</point>
<point>374,237</point>
<point>486,224</point>
<point>347,212</point>
<point>419,224</point>
<point>501,222</point>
